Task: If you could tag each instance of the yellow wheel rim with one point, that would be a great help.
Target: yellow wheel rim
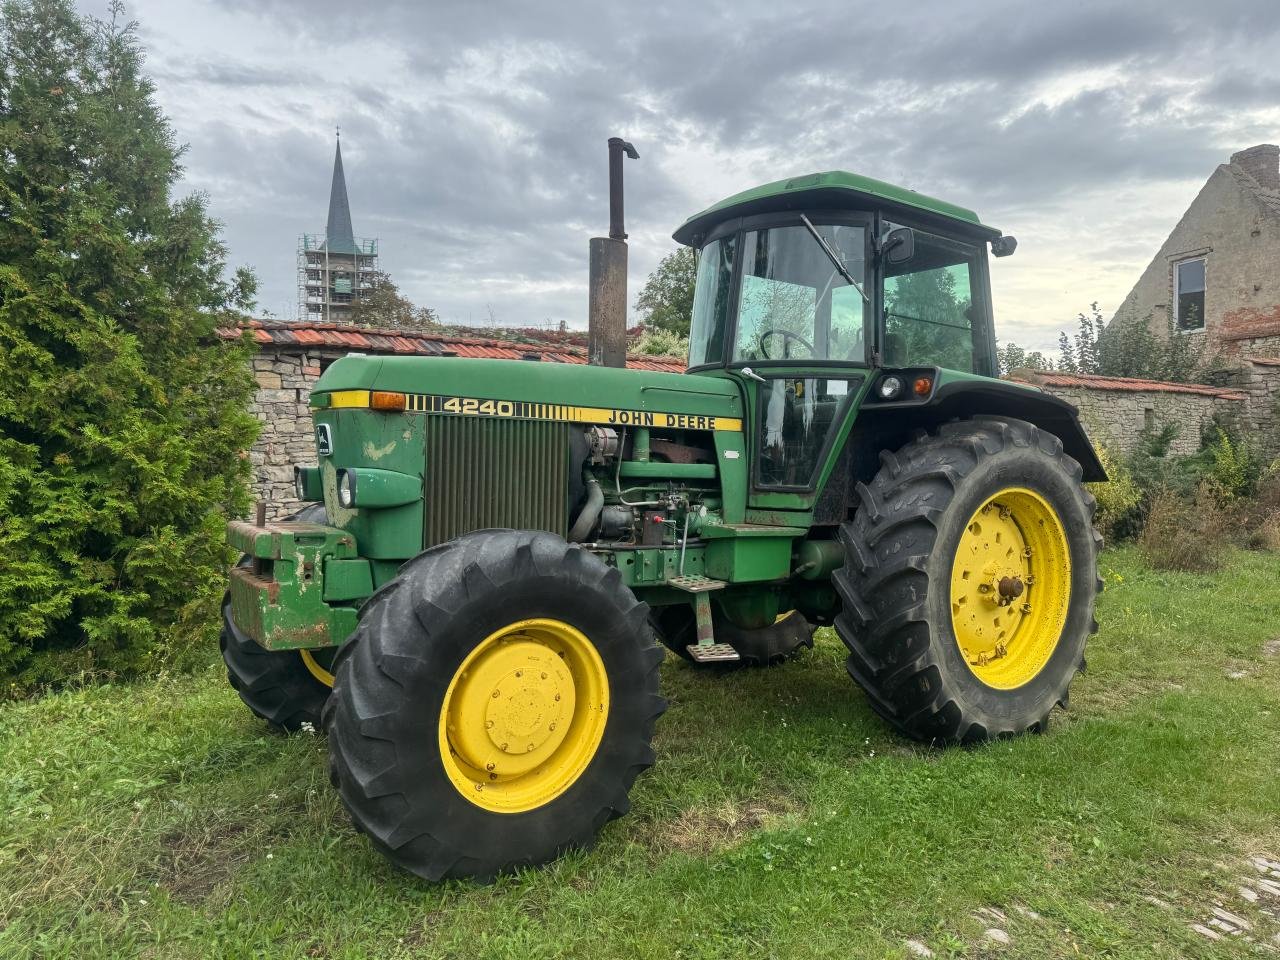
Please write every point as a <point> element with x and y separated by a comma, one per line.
<point>317,671</point>
<point>1010,587</point>
<point>524,715</point>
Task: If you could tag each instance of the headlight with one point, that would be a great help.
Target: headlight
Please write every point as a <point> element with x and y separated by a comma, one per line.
<point>346,488</point>
<point>299,485</point>
<point>890,388</point>
<point>367,487</point>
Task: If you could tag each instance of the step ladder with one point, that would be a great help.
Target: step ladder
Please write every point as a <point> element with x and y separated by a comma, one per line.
<point>706,650</point>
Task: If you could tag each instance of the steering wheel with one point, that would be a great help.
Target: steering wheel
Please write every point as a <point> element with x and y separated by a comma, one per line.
<point>786,335</point>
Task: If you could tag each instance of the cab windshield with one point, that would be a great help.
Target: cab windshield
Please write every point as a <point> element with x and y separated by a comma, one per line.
<point>794,303</point>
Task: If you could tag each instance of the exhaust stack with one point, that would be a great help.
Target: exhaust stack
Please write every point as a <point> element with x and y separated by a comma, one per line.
<point>607,283</point>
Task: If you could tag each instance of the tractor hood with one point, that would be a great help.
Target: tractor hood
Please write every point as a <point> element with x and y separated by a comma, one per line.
<point>525,389</point>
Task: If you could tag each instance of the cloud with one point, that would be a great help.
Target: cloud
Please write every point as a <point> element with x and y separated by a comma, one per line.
<point>473,135</point>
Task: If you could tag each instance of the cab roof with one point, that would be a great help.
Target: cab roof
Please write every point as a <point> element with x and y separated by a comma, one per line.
<point>836,188</point>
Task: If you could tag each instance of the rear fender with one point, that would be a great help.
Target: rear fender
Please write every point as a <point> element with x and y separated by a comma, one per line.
<point>961,399</point>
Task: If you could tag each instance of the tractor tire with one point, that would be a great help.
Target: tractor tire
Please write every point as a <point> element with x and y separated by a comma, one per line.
<point>676,627</point>
<point>286,688</point>
<point>969,582</point>
<point>494,706</point>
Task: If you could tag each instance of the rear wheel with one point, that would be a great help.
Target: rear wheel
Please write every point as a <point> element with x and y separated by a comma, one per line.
<point>969,581</point>
<point>676,627</point>
<point>494,706</point>
<point>286,688</point>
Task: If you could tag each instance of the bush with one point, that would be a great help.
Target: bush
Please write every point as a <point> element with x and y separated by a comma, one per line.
<point>1259,518</point>
<point>123,416</point>
<point>662,343</point>
<point>1181,534</point>
<point>1120,500</point>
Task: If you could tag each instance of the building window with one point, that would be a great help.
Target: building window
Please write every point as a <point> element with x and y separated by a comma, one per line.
<point>1149,419</point>
<point>1189,294</point>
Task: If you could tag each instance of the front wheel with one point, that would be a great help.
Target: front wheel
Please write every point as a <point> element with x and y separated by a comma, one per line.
<point>969,581</point>
<point>494,705</point>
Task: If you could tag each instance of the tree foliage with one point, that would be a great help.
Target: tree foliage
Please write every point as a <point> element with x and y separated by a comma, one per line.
<point>386,306</point>
<point>667,296</point>
<point>123,417</point>
<point>1012,357</point>
<point>1130,348</point>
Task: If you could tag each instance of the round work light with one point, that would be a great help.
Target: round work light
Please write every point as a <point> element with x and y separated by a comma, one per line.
<point>890,388</point>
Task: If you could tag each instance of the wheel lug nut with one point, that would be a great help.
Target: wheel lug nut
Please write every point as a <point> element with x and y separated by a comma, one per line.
<point>493,776</point>
<point>1026,608</point>
<point>557,697</point>
<point>551,727</point>
<point>488,724</point>
<point>489,766</point>
<point>544,675</point>
<point>502,747</point>
<point>529,749</point>
<point>496,694</point>
<point>519,673</point>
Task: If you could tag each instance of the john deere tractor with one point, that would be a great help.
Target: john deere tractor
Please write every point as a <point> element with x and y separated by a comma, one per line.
<point>472,607</point>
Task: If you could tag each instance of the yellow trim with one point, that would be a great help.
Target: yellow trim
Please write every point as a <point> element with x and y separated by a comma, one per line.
<point>348,398</point>
<point>527,410</point>
<point>524,715</point>
<point>1010,587</point>
<point>317,671</point>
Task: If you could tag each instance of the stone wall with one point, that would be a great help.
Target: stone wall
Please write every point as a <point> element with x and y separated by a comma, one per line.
<point>284,380</point>
<point>1118,418</point>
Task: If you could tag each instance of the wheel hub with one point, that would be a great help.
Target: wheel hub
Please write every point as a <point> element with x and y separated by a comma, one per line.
<point>524,715</point>
<point>1010,586</point>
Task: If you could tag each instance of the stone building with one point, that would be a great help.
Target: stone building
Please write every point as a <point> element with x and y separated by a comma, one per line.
<point>1216,279</point>
<point>1217,276</point>
<point>291,357</point>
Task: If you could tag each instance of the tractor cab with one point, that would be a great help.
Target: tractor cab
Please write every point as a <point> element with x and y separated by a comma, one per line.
<point>827,292</point>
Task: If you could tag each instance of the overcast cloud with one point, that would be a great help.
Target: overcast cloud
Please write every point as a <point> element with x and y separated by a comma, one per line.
<point>473,134</point>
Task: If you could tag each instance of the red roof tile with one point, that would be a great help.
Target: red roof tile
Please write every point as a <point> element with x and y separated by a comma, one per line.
<point>551,346</point>
<point>1091,381</point>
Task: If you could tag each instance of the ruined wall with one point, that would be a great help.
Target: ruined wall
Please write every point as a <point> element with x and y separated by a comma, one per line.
<point>1117,418</point>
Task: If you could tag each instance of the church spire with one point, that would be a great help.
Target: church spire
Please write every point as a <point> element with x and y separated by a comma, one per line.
<point>339,236</point>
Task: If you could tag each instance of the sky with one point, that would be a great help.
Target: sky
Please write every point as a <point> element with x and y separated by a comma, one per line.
<point>473,134</point>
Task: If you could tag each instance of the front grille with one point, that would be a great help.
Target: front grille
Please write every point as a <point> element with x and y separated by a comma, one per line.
<point>485,472</point>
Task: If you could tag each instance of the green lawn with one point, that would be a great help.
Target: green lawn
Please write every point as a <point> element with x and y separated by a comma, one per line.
<point>782,819</point>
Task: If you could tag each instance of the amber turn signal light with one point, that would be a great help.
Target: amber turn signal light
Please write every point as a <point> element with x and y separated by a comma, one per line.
<point>922,386</point>
<point>381,400</point>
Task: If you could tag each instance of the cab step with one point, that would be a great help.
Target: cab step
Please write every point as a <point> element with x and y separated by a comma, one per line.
<point>706,650</point>
<point>713,653</point>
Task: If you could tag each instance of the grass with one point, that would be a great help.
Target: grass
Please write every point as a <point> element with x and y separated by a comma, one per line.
<point>783,819</point>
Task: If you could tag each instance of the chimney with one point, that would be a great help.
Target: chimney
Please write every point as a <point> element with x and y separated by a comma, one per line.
<point>1262,163</point>
<point>607,274</point>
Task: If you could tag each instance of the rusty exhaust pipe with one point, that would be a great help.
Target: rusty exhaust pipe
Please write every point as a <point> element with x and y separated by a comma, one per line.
<point>607,273</point>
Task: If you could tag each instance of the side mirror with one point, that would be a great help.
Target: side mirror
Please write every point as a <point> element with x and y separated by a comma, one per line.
<point>1004,246</point>
<point>899,245</point>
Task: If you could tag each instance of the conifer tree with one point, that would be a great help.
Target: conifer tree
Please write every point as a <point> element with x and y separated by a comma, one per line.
<point>123,417</point>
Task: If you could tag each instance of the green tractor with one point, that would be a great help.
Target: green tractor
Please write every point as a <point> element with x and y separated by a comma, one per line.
<point>472,605</point>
